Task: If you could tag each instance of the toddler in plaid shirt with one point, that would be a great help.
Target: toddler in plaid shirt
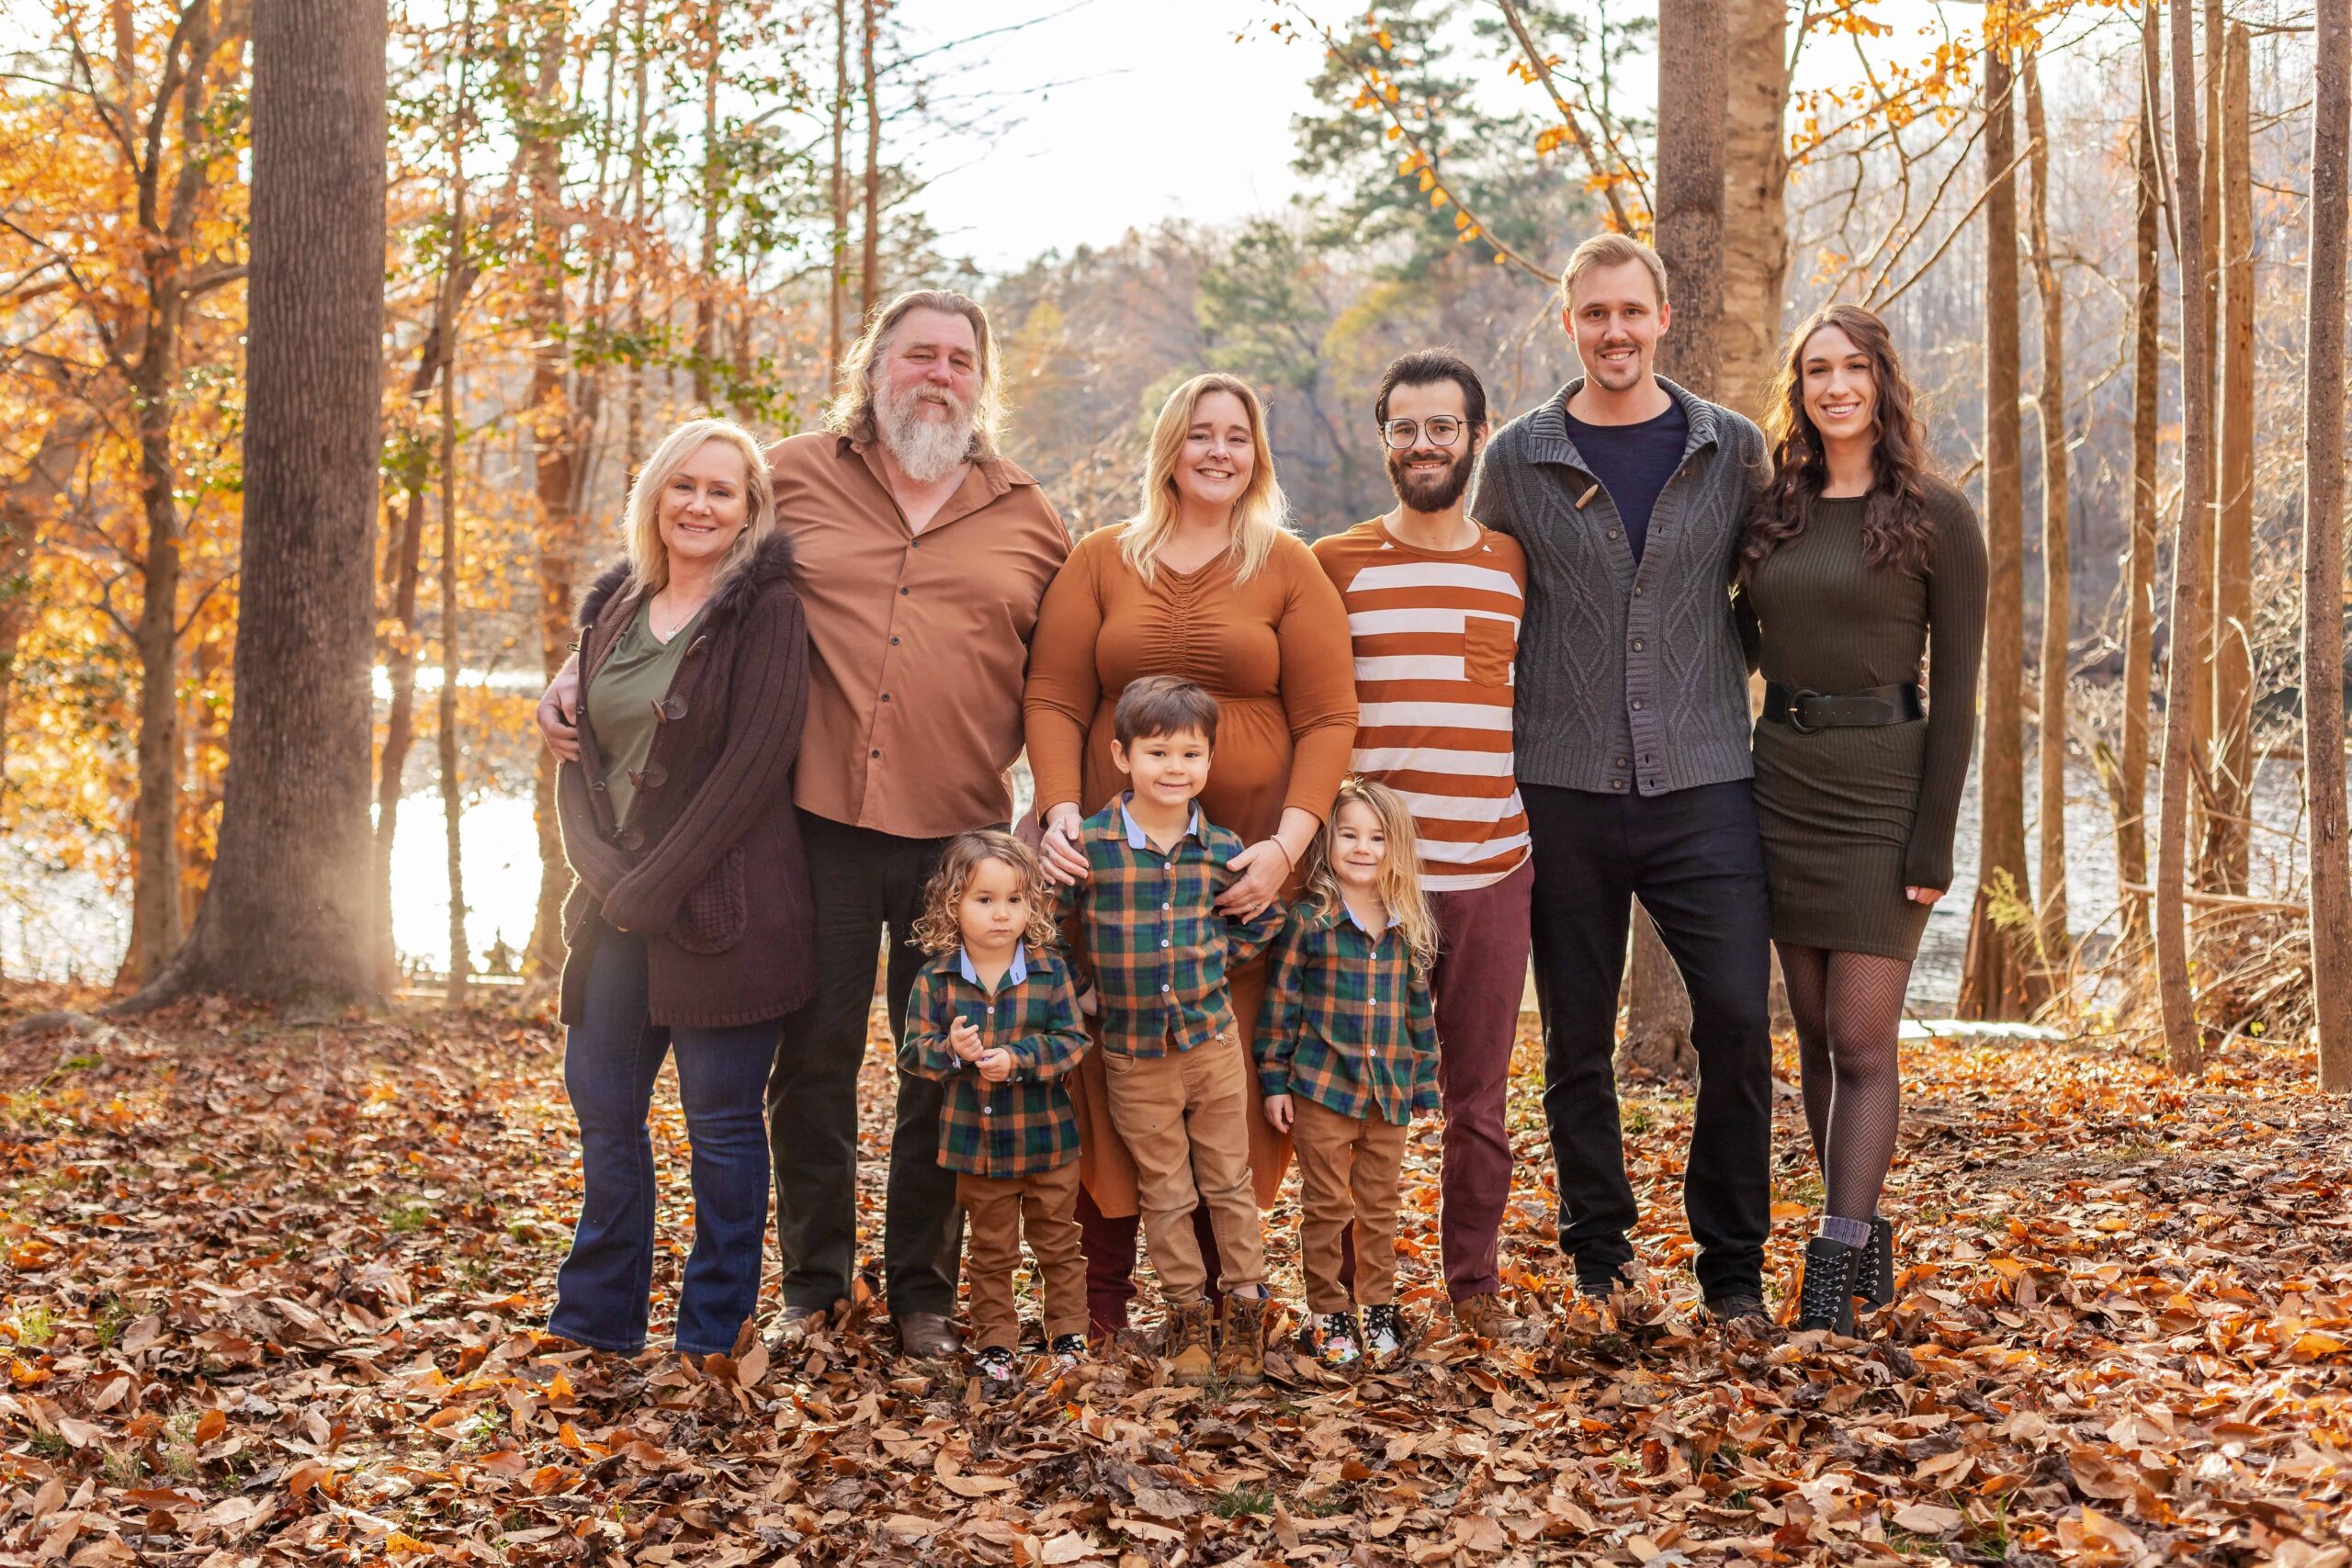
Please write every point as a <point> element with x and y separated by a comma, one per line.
<point>1347,1056</point>
<point>993,1016</point>
<point>1175,1074</point>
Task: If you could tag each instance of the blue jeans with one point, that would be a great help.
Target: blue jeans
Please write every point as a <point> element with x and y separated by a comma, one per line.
<point>610,1060</point>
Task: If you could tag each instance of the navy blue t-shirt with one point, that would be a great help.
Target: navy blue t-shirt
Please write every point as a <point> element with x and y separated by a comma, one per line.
<point>1632,462</point>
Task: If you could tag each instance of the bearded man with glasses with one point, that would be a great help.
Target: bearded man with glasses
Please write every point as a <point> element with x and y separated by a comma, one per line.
<point>1433,604</point>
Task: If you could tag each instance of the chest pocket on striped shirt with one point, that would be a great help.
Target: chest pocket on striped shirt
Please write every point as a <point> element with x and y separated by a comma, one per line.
<point>1487,645</point>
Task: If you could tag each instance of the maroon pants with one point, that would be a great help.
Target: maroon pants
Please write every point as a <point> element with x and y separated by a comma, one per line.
<point>1480,977</point>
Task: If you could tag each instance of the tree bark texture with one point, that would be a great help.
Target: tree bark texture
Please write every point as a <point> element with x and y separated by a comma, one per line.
<point>2127,784</point>
<point>1997,980</point>
<point>2324,596</point>
<point>2199,627</point>
<point>713,194</point>
<point>2192,544</point>
<point>1756,181</point>
<point>869,271</point>
<point>286,914</point>
<point>2231,762</point>
<point>2057,587</point>
<point>1693,45</point>
<point>837,242</point>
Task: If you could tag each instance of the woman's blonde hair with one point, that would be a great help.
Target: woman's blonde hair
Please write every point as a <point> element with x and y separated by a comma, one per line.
<point>1260,514</point>
<point>649,559</point>
<point>1400,873</point>
<point>936,929</point>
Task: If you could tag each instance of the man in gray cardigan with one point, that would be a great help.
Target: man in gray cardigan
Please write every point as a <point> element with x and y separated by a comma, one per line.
<point>1631,716</point>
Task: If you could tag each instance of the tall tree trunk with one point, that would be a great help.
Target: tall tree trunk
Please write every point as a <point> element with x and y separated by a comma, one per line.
<point>2201,627</point>
<point>24,503</point>
<point>2190,556</point>
<point>2227,841</point>
<point>1756,181</point>
<point>633,422</point>
<point>837,243</point>
<point>156,932</point>
<point>1997,979</point>
<point>713,174</point>
<point>1689,233</point>
<point>553,440</point>
<point>2057,561</point>
<point>2127,785</point>
<point>869,272</point>
<point>288,910</point>
<point>2323,547</point>
<point>453,806</point>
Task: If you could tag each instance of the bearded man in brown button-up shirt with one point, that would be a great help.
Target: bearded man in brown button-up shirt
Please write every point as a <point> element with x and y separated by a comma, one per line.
<point>922,557</point>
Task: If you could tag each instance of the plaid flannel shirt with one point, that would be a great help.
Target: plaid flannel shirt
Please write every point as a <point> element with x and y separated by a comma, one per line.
<point>1347,1022</point>
<point>1024,1124</point>
<point>1154,944</point>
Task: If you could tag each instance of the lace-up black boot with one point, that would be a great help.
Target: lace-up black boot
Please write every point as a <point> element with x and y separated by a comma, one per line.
<point>1827,1298</point>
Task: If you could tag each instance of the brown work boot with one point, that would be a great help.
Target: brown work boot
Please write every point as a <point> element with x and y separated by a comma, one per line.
<point>1483,1316</point>
<point>1242,1350</point>
<point>1189,1360</point>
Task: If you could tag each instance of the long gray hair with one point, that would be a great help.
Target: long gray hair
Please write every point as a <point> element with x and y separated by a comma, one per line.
<point>852,411</point>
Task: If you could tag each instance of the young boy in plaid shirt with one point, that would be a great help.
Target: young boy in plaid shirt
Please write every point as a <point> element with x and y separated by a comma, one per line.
<point>1176,1077</point>
<point>1347,1056</point>
<point>994,1017</point>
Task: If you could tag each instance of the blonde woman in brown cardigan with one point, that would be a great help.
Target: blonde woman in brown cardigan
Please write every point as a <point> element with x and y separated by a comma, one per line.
<point>1206,583</point>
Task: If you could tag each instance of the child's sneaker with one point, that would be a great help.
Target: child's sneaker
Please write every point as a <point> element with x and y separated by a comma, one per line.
<point>1000,1373</point>
<point>1332,1339</point>
<point>1383,1330</point>
<point>1068,1349</point>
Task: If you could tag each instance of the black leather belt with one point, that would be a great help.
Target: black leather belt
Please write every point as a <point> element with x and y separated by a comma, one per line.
<point>1806,711</point>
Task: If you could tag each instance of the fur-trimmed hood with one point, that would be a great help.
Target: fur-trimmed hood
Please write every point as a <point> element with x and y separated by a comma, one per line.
<point>771,560</point>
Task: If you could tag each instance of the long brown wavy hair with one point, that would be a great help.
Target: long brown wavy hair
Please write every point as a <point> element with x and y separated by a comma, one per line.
<point>1896,531</point>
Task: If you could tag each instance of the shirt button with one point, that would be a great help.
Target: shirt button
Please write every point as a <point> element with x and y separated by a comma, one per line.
<point>906,591</point>
<point>1617,785</point>
<point>1163,942</point>
<point>1612,532</point>
<point>1637,704</point>
<point>886,697</point>
<point>873,753</point>
<point>1621,761</point>
<point>991,1013</point>
<point>1163,990</point>
<point>1637,593</point>
<point>1637,648</point>
<point>1167,905</point>
<point>894,641</point>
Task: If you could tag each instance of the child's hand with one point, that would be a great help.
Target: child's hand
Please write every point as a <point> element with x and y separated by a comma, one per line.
<point>1278,1113</point>
<point>964,1040</point>
<point>995,1065</point>
<point>1090,1001</point>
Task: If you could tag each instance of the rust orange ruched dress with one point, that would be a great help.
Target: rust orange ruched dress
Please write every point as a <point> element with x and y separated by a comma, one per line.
<point>1274,653</point>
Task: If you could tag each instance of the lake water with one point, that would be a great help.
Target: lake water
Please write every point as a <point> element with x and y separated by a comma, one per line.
<point>55,924</point>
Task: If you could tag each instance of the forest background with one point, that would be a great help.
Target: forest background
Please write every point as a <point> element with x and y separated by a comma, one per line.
<point>604,217</point>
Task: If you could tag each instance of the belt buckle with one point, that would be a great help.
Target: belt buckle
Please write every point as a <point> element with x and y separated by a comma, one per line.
<point>1796,710</point>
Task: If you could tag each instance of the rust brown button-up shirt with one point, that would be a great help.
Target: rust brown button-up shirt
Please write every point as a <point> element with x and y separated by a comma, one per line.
<point>918,642</point>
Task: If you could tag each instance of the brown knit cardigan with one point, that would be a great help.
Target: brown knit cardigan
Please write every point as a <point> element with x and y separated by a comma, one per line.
<point>709,868</point>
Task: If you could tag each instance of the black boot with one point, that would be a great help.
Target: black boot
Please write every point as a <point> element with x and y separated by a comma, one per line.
<point>1827,1298</point>
<point>1874,1279</point>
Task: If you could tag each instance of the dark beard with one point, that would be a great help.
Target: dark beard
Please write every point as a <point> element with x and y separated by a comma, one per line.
<point>1426,494</point>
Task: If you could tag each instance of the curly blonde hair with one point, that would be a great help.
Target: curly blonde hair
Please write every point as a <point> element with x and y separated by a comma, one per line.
<point>936,929</point>
<point>1400,874</point>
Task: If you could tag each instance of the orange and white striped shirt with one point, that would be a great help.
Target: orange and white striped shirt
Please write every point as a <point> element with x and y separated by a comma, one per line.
<point>1436,633</point>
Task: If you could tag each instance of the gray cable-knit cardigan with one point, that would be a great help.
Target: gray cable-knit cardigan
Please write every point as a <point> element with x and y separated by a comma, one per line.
<point>1629,678</point>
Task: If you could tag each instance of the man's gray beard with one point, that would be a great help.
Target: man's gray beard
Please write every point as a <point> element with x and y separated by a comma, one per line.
<point>926,449</point>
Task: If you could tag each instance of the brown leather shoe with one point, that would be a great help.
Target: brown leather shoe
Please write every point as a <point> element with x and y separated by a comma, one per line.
<point>1483,1315</point>
<point>1189,1360</point>
<point>926,1336</point>
<point>790,1329</point>
<point>1241,1349</point>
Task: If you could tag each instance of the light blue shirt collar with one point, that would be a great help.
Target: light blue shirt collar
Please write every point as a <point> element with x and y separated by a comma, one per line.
<point>1138,839</point>
<point>1395,919</point>
<point>1015,972</point>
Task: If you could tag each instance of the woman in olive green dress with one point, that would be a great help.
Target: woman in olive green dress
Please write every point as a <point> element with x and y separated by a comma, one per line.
<point>1857,561</point>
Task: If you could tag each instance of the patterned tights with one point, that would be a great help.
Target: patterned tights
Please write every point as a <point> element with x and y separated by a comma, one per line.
<point>1849,1007</point>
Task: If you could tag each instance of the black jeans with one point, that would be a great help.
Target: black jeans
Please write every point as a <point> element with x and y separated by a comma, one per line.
<point>862,882</point>
<point>1696,860</point>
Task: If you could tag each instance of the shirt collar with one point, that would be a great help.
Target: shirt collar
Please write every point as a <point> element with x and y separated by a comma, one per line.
<point>1014,972</point>
<point>1138,839</point>
<point>1395,919</point>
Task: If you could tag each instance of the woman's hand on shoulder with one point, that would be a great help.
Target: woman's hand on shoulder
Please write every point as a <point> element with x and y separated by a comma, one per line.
<point>1058,850</point>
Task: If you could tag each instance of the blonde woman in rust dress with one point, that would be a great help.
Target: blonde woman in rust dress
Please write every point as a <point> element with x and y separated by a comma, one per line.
<point>1857,560</point>
<point>1206,583</point>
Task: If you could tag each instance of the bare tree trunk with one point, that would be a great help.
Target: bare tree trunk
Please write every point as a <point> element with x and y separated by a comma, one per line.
<point>2231,763</point>
<point>1756,180</point>
<point>553,439</point>
<point>287,913</point>
<point>2057,561</point>
<point>1692,108</point>
<point>2191,555</point>
<point>24,503</point>
<point>837,245</point>
<point>2323,547</point>
<point>452,805</point>
<point>706,287</point>
<point>156,932</point>
<point>2127,787</point>
<point>2199,629</point>
<point>1996,980</point>
<point>869,272</point>
<point>633,424</point>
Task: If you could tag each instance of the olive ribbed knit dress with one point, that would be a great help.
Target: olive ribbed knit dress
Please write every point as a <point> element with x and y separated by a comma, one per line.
<point>1852,816</point>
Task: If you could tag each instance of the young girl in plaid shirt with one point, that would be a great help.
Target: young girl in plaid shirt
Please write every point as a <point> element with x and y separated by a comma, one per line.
<point>993,1016</point>
<point>1346,1055</point>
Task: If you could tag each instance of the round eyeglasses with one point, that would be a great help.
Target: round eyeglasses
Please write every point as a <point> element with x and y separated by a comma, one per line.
<point>1403,434</point>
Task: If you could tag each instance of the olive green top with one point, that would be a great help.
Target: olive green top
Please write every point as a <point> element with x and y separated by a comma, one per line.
<point>631,682</point>
<point>1833,623</point>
